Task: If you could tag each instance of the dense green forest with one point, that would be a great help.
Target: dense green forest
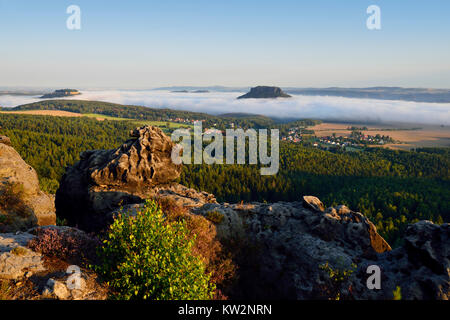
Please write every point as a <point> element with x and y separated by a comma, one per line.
<point>392,188</point>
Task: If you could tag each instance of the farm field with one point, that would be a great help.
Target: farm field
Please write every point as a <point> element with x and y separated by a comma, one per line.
<point>55,113</point>
<point>422,136</point>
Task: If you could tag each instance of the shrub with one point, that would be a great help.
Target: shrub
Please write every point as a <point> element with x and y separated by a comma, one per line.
<point>215,217</point>
<point>5,290</point>
<point>70,245</point>
<point>338,277</point>
<point>148,257</point>
<point>218,259</point>
<point>14,214</point>
<point>397,293</point>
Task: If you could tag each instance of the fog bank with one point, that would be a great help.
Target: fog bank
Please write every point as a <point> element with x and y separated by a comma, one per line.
<point>316,107</point>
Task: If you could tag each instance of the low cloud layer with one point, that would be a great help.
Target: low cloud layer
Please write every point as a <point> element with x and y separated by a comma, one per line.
<point>331,108</point>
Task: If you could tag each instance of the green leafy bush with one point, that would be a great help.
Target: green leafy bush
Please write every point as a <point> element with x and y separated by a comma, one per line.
<point>218,258</point>
<point>147,257</point>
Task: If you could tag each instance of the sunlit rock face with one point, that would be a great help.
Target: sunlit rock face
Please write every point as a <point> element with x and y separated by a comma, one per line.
<point>22,203</point>
<point>104,180</point>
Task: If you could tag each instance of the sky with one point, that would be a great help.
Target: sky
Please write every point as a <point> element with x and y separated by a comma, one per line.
<point>146,44</point>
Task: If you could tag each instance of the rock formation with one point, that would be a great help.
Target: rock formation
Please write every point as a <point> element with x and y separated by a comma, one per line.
<point>104,180</point>
<point>421,267</point>
<point>264,92</point>
<point>284,248</point>
<point>22,203</point>
<point>5,140</point>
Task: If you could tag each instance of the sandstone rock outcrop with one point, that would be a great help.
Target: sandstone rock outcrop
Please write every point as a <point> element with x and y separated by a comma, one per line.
<point>5,140</point>
<point>285,246</point>
<point>104,180</point>
<point>313,203</point>
<point>22,203</point>
<point>421,267</point>
<point>179,194</point>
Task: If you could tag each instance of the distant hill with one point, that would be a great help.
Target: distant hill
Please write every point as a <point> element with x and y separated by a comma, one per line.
<point>381,93</point>
<point>243,115</point>
<point>187,91</point>
<point>61,93</point>
<point>265,92</point>
<point>207,88</point>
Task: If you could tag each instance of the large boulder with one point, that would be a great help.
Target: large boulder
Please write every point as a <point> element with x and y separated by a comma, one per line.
<point>22,203</point>
<point>288,250</point>
<point>15,258</point>
<point>104,180</point>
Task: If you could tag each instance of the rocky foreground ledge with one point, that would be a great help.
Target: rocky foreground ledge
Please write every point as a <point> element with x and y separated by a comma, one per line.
<point>283,250</point>
<point>280,249</point>
<point>289,242</point>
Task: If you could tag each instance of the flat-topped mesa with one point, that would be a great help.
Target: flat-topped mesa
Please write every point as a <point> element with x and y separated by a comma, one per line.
<point>104,180</point>
<point>265,92</point>
<point>61,94</point>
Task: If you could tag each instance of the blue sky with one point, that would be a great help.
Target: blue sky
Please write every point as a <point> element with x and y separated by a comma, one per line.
<point>144,44</point>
